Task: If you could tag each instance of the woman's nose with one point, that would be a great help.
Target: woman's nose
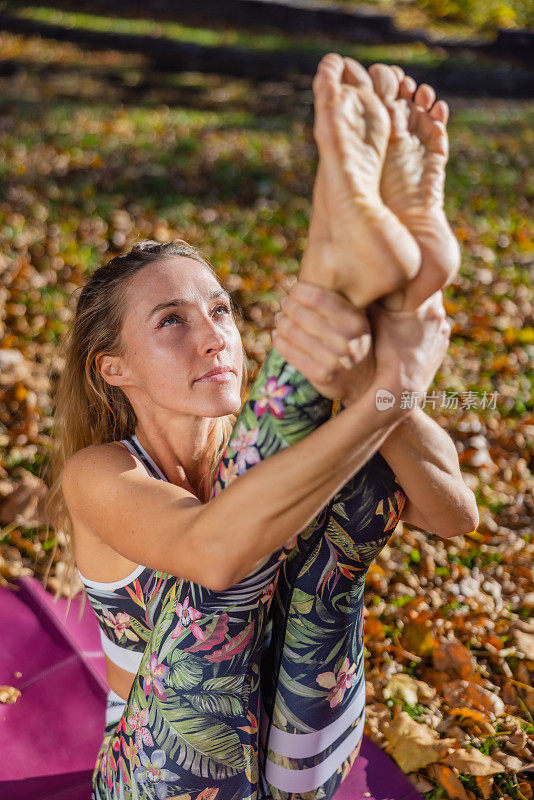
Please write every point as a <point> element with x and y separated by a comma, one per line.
<point>212,339</point>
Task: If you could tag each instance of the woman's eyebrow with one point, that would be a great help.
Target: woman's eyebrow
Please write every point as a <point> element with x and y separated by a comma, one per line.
<point>179,301</point>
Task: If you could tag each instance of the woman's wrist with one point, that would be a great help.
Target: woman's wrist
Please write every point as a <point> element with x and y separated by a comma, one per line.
<point>384,398</point>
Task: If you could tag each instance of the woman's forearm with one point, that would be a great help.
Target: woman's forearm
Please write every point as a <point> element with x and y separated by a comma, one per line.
<point>425,462</point>
<point>278,497</point>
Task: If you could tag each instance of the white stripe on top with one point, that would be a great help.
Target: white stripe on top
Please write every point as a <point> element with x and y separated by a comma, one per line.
<point>115,705</point>
<point>121,656</point>
<point>113,584</point>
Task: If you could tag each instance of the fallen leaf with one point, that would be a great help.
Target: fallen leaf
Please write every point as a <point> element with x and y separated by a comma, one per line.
<point>472,762</point>
<point>9,694</point>
<point>409,689</point>
<point>449,780</point>
<point>412,744</point>
<point>453,657</point>
<point>460,693</point>
<point>525,643</point>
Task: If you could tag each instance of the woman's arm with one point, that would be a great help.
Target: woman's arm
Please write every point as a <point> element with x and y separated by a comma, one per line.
<point>424,459</point>
<point>422,455</point>
<point>167,528</point>
<point>217,543</point>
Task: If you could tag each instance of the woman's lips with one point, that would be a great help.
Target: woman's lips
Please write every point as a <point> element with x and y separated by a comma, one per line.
<point>218,377</point>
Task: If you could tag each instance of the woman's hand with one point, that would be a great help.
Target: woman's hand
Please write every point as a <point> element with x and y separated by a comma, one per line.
<point>340,349</point>
<point>322,335</point>
<point>409,345</point>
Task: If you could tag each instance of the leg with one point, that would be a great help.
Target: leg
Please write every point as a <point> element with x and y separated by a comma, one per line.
<point>190,722</point>
<point>312,669</point>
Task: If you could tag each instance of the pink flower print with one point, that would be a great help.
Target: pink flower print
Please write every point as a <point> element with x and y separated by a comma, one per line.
<point>155,673</point>
<point>339,685</point>
<point>187,617</point>
<point>120,624</point>
<point>137,722</point>
<point>271,396</point>
<point>242,444</point>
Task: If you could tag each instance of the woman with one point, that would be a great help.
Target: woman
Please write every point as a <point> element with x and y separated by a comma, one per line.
<point>175,735</point>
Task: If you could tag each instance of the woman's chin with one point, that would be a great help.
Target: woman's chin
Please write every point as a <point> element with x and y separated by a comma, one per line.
<point>220,407</point>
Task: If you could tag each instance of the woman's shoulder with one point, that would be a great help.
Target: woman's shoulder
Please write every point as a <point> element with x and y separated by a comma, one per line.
<point>86,465</point>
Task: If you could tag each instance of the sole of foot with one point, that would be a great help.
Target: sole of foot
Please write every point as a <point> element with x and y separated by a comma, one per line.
<point>413,179</point>
<point>356,244</point>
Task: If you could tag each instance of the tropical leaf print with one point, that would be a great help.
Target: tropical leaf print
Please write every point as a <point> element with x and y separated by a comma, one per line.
<point>196,741</point>
<point>236,645</point>
<point>342,540</point>
<point>215,633</point>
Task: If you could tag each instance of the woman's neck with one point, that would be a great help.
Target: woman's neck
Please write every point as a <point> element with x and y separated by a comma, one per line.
<point>180,450</point>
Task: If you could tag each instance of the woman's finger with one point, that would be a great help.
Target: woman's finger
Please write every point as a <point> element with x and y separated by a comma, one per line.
<point>309,324</point>
<point>321,351</point>
<point>329,304</point>
<point>335,330</point>
<point>301,359</point>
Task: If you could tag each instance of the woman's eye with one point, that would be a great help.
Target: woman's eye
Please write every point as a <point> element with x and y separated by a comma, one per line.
<point>170,316</point>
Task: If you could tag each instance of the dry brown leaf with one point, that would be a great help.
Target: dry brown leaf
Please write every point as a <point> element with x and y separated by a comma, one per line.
<point>525,643</point>
<point>377,720</point>
<point>25,503</point>
<point>509,762</point>
<point>412,744</point>
<point>374,630</point>
<point>409,689</point>
<point>460,693</point>
<point>485,784</point>
<point>417,638</point>
<point>449,780</point>
<point>453,657</point>
<point>9,694</point>
<point>471,715</point>
<point>472,762</point>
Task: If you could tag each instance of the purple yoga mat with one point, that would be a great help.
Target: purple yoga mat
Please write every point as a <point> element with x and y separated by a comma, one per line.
<point>49,738</point>
<point>376,773</point>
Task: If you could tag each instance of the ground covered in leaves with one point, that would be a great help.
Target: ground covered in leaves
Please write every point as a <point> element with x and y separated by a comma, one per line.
<point>91,164</point>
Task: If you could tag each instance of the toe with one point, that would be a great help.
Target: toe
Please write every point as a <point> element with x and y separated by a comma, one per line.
<point>440,111</point>
<point>327,80</point>
<point>430,132</point>
<point>399,72</point>
<point>385,82</point>
<point>356,74</point>
<point>424,96</point>
<point>407,87</point>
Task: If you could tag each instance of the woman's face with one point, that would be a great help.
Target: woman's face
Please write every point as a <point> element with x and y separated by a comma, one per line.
<point>179,326</point>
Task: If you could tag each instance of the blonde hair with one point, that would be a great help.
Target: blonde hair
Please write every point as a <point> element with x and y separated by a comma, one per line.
<point>89,410</point>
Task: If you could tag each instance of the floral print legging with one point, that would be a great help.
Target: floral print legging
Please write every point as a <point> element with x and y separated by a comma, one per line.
<point>190,727</point>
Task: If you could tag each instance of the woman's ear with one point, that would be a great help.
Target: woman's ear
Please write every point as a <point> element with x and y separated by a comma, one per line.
<point>110,369</point>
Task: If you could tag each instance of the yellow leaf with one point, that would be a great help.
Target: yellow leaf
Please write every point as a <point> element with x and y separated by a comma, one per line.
<point>412,744</point>
<point>9,694</point>
<point>472,762</point>
<point>407,688</point>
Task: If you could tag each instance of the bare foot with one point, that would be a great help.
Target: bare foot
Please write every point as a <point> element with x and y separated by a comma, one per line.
<point>413,179</point>
<point>356,245</point>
